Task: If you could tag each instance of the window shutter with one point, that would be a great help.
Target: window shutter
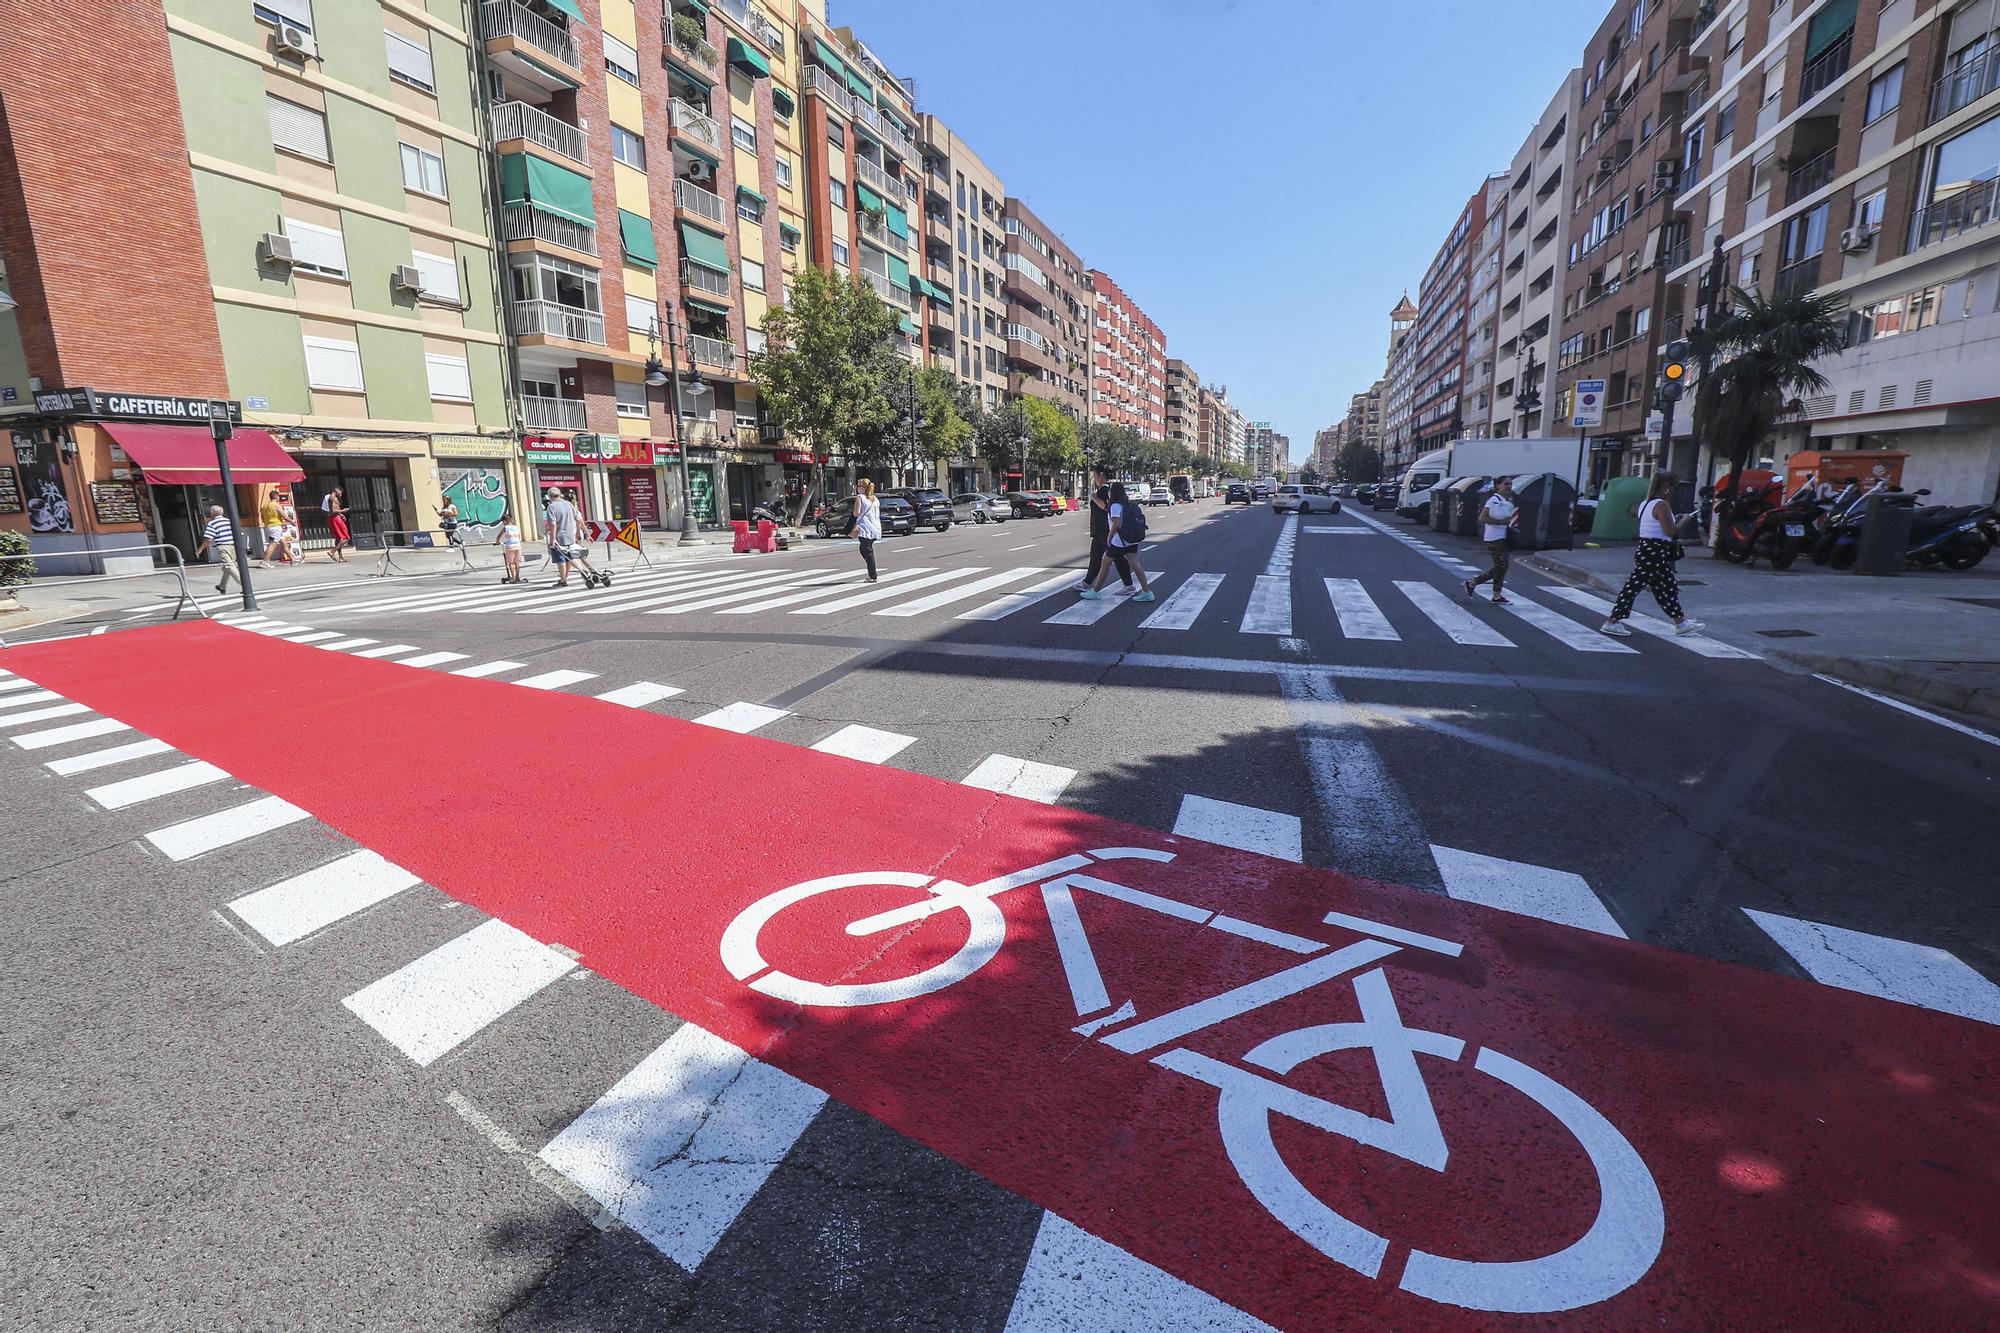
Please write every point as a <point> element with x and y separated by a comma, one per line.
<point>333,364</point>
<point>639,312</point>
<point>410,61</point>
<point>299,13</point>
<point>621,57</point>
<point>450,376</point>
<point>298,129</point>
<point>317,247</point>
<point>439,272</point>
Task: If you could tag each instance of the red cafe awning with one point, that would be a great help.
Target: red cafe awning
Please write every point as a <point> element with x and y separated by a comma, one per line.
<point>185,455</point>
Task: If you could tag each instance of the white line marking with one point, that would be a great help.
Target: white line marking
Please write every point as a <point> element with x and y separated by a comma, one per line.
<point>15,683</point>
<point>76,731</point>
<point>388,650</point>
<point>292,632</point>
<point>1244,827</point>
<point>1083,612</point>
<point>794,598</point>
<point>96,759</point>
<point>38,714</point>
<point>640,693</point>
<point>488,669</point>
<point>274,627</point>
<point>294,908</point>
<point>1075,1281</point>
<point>1526,890</point>
<point>1187,603</point>
<point>430,1006</point>
<point>959,594</point>
<point>1029,546</point>
<point>1912,710</point>
<point>766,581</point>
<point>31,698</point>
<point>742,718</point>
<point>867,744</point>
<point>209,832</point>
<point>1357,613</point>
<point>1021,777</point>
<point>1898,970</point>
<point>1583,638</point>
<point>1026,597</point>
<point>1458,624</point>
<point>1344,532</point>
<point>555,680</point>
<point>131,791</point>
<point>346,644</point>
<point>884,594</point>
<point>1270,609</point>
<point>1653,625</point>
<point>705,602</point>
<point>433,659</point>
<point>317,636</point>
<point>1414,939</point>
<point>679,1147</point>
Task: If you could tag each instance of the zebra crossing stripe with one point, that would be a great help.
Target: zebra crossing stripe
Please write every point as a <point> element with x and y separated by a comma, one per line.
<point>1458,624</point>
<point>1244,827</point>
<point>76,731</point>
<point>317,636</point>
<point>96,759</point>
<point>678,1148</point>
<point>959,594</point>
<point>1187,603</point>
<point>388,650</point>
<point>668,593</point>
<point>291,632</point>
<point>1561,628</point>
<point>1527,890</point>
<point>224,828</point>
<point>742,718</point>
<point>866,744</point>
<point>884,594</point>
<point>794,598</point>
<point>426,1008</point>
<point>708,598</point>
<point>41,714</point>
<point>294,908</point>
<point>34,697</point>
<point>149,786</point>
<point>555,680</point>
<point>15,683</point>
<point>1003,607</point>
<point>484,669</point>
<point>346,645</point>
<point>1356,611</point>
<point>1270,609</point>
<point>1021,777</point>
<point>434,659</point>
<point>1899,970</point>
<point>640,693</point>
<point>1653,625</point>
<point>1076,1281</point>
<point>1089,613</point>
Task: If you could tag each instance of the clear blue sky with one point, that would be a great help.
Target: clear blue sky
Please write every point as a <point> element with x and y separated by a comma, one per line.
<point>1264,177</point>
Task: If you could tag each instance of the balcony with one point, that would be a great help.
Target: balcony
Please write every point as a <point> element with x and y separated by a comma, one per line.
<point>899,297</point>
<point>508,26</point>
<point>705,204</point>
<point>1812,175</point>
<point>1961,87</point>
<point>546,319</point>
<point>1965,211</point>
<point>539,413</point>
<point>531,124</point>
<point>878,127</point>
<point>939,274</point>
<point>696,124</point>
<point>699,56</point>
<point>711,351</point>
<point>877,230</point>
<point>701,278</point>
<point>525,222</point>
<point>1794,278</point>
<point>829,90</point>
<point>879,180</point>
<point>1825,67</point>
<point>754,23</point>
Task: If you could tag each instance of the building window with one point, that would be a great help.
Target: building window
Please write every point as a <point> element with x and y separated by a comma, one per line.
<point>423,171</point>
<point>1805,235</point>
<point>621,60</point>
<point>410,63</point>
<point>749,207</point>
<point>755,342</point>
<point>753,275</point>
<point>1868,211</point>
<point>784,165</point>
<point>836,190</point>
<point>836,135</point>
<point>316,249</point>
<point>840,253</point>
<point>1725,121</point>
<point>631,398</point>
<point>450,376</point>
<point>333,363</point>
<point>639,312</point>
<point>437,275</point>
<point>298,129</point>
<point>1884,94</point>
<point>744,133</point>
<point>628,147</point>
<point>788,240</point>
<point>298,13</point>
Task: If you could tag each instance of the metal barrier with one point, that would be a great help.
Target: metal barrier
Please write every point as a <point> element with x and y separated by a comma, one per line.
<point>185,599</point>
<point>461,541</point>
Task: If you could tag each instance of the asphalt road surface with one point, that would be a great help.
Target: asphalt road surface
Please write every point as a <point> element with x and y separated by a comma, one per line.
<point>352,986</point>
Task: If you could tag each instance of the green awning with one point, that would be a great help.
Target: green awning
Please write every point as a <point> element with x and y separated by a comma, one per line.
<point>701,5</point>
<point>828,58</point>
<point>915,284</point>
<point>636,233</point>
<point>789,230</point>
<point>1829,26</point>
<point>870,200</point>
<point>898,224</point>
<point>703,303</point>
<point>899,272</point>
<point>744,189</point>
<point>896,120</point>
<point>782,101</point>
<point>704,248</point>
<point>937,293</point>
<point>860,87</point>
<point>747,60</point>
<point>903,323</point>
<point>553,189</point>
<point>570,8</point>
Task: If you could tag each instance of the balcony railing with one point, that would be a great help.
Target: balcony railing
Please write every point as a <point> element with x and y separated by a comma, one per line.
<point>1965,85</point>
<point>539,413</point>
<point>1825,67</point>
<point>878,179</point>
<point>525,222</point>
<point>1674,253</point>
<point>1021,333</point>
<point>1793,278</point>
<point>827,88</point>
<point>877,230</point>
<point>699,53</point>
<point>518,120</point>
<point>696,124</point>
<point>1809,176</point>
<point>711,351</point>
<point>702,203</point>
<point>759,26</point>
<point>700,278</point>
<point>504,18</point>
<point>549,320</point>
<point>1963,212</point>
<point>889,291</point>
<point>878,125</point>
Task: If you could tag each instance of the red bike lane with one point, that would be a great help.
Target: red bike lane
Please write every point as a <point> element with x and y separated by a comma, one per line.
<point>1437,1115</point>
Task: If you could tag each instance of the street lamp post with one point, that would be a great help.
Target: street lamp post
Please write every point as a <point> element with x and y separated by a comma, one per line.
<point>1708,312</point>
<point>657,375</point>
<point>1529,400</point>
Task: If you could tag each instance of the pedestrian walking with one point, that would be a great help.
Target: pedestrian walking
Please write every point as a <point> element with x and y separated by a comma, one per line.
<point>1497,518</point>
<point>287,511</point>
<point>448,522</point>
<point>510,546</point>
<point>867,511</point>
<point>271,516</point>
<point>1100,530</point>
<point>562,524</point>
<point>1128,533</point>
<point>1654,566</point>
<point>218,542</point>
<point>335,507</point>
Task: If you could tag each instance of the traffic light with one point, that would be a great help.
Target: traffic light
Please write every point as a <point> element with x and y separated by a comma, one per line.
<point>1673,372</point>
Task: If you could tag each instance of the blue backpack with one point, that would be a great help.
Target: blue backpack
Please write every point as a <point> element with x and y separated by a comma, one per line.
<point>1132,523</point>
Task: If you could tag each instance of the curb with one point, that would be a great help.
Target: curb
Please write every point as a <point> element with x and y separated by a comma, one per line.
<point>1904,681</point>
<point>1563,569</point>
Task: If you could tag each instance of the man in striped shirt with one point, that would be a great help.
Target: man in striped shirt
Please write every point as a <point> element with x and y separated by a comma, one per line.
<point>219,537</point>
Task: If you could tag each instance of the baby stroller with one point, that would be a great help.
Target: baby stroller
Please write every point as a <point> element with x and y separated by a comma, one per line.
<point>579,555</point>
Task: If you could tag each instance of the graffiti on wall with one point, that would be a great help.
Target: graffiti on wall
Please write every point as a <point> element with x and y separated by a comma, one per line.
<point>479,492</point>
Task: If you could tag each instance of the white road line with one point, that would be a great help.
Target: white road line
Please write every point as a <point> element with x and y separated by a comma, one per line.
<point>1918,974</point>
<point>317,636</point>
<point>15,683</point>
<point>38,714</point>
<point>1357,613</point>
<point>76,731</point>
<point>640,693</point>
<point>1021,777</point>
<point>277,627</point>
<point>346,645</point>
<point>555,680</point>
<point>1912,710</point>
<point>1026,597</point>
<point>292,632</point>
<point>1081,612</point>
<point>742,718</point>
<point>433,659</point>
<point>1186,604</point>
<point>485,669</point>
<point>669,594</point>
<point>1653,625</point>
<point>32,698</point>
<point>679,1147</point>
<point>225,827</point>
<point>1526,890</point>
<point>96,759</point>
<point>1075,1280</point>
<point>794,598</point>
<point>1028,547</point>
<point>1244,827</point>
<point>708,597</point>
<point>1270,609</point>
<point>294,908</point>
<point>430,1006</point>
<point>959,594</point>
<point>146,787</point>
<point>867,744</point>
<point>884,594</point>
<point>1345,532</point>
<point>388,650</point>
<point>1459,625</point>
<point>1583,638</point>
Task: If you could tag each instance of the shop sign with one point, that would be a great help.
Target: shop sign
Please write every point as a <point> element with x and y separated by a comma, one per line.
<point>547,449</point>
<point>10,491</point>
<point>115,502</point>
<point>9,393</point>
<point>24,448</point>
<point>666,451</point>
<point>626,453</point>
<point>471,446</point>
<point>701,455</point>
<point>110,405</point>
<point>642,498</point>
<point>800,456</point>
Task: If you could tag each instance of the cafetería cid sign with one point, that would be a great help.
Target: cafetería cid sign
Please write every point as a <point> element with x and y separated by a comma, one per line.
<point>110,405</point>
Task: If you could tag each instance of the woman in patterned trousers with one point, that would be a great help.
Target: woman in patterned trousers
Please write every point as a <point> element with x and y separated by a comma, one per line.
<point>1654,567</point>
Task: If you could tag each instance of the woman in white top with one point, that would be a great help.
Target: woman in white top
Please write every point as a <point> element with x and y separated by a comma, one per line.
<point>1654,567</point>
<point>1123,550</point>
<point>867,522</point>
<point>1496,518</point>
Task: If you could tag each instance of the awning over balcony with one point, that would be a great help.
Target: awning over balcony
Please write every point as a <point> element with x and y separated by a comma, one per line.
<point>570,8</point>
<point>870,200</point>
<point>704,248</point>
<point>937,293</point>
<point>903,323</point>
<point>747,60</point>
<point>744,189</point>
<point>859,86</point>
<point>703,303</point>
<point>1829,26</point>
<point>636,234</point>
<point>185,455</point>
<point>791,231</point>
<point>782,102</point>
<point>554,189</point>
<point>899,272</point>
<point>828,58</point>
<point>898,223</point>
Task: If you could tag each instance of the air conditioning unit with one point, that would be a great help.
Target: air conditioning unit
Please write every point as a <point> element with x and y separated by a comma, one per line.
<point>408,280</point>
<point>1856,239</point>
<point>275,248</point>
<point>1608,119</point>
<point>296,42</point>
<point>1666,174</point>
<point>1606,165</point>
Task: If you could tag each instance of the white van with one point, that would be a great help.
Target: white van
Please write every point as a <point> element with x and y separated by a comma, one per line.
<point>1413,499</point>
<point>1139,491</point>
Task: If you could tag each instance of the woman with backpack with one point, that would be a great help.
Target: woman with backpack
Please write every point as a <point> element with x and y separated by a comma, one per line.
<point>1654,567</point>
<point>1128,533</point>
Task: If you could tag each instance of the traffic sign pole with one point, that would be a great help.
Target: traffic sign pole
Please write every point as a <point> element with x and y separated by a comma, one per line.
<point>220,428</point>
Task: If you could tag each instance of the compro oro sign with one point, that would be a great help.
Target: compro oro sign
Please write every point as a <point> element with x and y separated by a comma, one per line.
<point>1587,404</point>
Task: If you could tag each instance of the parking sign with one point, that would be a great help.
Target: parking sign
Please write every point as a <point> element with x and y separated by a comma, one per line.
<point>1589,404</point>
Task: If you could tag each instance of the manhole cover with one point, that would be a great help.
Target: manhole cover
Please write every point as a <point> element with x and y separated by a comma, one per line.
<point>1990,602</point>
<point>1787,633</point>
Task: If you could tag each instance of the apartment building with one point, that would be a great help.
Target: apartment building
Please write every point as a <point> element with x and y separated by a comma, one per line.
<point>1399,388</point>
<point>1184,406</point>
<point>1223,428</point>
<point>1444,330</point>
<point>1364,417</point>
<point>1482,314</point>
<point>964,237</point>
<point>1048,312</point>
<point>1266,452</point>
<point>1855,150</point>
<point>1537,237</point>
<point>1327,443</point>
<point>283,205</point>
<point>1128,362</point>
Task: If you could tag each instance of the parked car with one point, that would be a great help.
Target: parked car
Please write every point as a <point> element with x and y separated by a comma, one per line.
<point>1237,493</point>
<point>981,507</point>
<point>933,508</point>
<point>1345,489</point>
<point>1159,495</point>
<point>1304,500</point>
<point>1031,504</point>
<point>899,517</point>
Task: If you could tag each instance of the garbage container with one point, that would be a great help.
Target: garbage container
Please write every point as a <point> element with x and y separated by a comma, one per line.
<point>1546,501</point>
<point>1444,496</point>
<point>1885,534</point>
<point>1468,497</point>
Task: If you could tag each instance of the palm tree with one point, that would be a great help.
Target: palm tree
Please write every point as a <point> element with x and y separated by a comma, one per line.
<point>1761,356</point>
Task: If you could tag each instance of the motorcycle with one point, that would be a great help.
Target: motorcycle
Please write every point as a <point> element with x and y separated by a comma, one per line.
<point>1756,518</point>
<point>770,511</point>
<point>1956,537</point>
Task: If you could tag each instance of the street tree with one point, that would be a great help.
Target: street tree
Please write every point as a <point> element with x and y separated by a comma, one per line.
<point>1053,445</point>
<point>1760,359</point>
<point>1000,434</point>
<point>945,433</point>
<point>823,372</point>
<point>1358,462</point>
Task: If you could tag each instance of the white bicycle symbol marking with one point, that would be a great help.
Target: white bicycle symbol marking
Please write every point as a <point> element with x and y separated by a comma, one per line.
<point>1616,1251</point>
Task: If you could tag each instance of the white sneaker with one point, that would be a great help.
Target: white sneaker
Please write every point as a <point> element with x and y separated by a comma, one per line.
<point>1688,627</point>
<point>1617,629</point>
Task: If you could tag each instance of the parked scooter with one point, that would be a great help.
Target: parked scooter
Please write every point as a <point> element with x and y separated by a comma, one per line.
<point>1760,521</point>
<point>1954,536</point>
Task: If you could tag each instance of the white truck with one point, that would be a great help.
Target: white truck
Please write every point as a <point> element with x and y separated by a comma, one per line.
<point>1482,458</point>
